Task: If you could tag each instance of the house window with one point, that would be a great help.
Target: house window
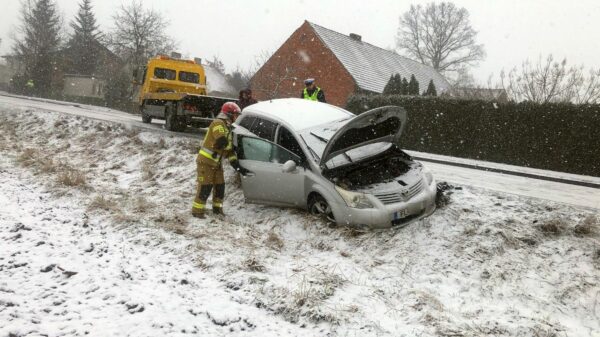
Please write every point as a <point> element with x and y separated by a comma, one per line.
<point>165,74</point>
<point>184,76</point>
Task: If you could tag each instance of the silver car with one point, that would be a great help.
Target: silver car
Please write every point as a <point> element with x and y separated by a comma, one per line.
<point>347,168</point>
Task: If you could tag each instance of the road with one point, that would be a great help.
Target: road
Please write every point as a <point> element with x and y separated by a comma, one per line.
<point>555,186</point>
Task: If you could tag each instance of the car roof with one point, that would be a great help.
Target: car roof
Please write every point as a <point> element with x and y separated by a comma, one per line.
<point>298,113</point>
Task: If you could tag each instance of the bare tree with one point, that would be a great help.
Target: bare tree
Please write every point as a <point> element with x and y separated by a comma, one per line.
<point>439,35</point>
<point>217,64</point>
<point>550,81</point>
<point>139,34</point>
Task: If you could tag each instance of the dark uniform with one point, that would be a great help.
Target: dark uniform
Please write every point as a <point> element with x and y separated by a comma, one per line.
<point>216,146</point>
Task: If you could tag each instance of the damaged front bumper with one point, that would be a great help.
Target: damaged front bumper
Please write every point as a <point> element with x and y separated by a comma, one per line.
<point>389,215</point>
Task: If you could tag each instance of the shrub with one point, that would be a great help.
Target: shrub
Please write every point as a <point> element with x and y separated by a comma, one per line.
<point>560,137</point>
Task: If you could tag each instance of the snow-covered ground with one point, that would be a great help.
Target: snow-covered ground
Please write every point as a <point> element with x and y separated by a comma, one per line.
<point>96,236</point>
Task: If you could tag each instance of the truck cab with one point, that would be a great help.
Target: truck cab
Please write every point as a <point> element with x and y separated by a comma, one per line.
<point>175,90</point>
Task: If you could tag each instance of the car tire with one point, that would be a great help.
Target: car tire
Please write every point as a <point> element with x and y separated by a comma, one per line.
<point>317,205</point>
<point>145,117</point>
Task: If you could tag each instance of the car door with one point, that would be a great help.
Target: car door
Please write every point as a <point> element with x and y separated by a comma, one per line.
<point>271,178</point>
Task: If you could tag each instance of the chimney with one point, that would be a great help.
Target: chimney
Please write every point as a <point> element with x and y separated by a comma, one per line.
<point>355,37</point>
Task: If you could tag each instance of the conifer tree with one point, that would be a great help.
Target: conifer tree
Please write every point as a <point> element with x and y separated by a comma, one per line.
<point>404,87</point>
<point>389,87</point>
<point>413,86</point>
<point>37,42</point>
<point>83,46</point>
<point>431,91</point>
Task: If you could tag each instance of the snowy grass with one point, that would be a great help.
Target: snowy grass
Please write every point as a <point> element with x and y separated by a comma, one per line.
<point>485,263</point>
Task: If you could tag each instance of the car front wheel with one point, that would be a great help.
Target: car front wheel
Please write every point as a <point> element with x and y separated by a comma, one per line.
<point>318,206</point>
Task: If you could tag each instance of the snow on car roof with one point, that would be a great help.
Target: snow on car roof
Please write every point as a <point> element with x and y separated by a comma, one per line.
<point>299,113</point>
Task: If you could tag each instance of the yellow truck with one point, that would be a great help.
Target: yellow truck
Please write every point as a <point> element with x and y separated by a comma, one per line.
<point>174,89</point>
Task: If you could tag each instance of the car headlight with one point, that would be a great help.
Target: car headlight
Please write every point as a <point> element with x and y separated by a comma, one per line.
<point>428,176</point>
<point>354,199</point>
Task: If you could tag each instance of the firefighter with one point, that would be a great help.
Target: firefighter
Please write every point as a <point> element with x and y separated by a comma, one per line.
<point>216,146</point>
<point>312,92</point>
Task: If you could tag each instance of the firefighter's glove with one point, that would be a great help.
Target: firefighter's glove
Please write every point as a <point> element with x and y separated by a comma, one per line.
<point>236,166</point>
<point>221,143</point>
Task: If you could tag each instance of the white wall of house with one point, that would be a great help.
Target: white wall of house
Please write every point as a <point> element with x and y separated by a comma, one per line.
<point>83,86</point>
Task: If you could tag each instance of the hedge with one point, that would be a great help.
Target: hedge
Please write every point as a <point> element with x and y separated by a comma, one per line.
<point>559,137</point>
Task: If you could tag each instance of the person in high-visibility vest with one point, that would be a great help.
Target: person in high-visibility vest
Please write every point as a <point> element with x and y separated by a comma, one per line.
<point>217,145</point>
<point>311,92</point>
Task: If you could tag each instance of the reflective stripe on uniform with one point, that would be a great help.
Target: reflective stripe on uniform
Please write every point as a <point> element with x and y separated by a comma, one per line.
<point>209,154</point>
<point>198,205</point>
<point>314,96</point>
<point>232,157</point>
<point>218,204</point>
<point>219,128</point>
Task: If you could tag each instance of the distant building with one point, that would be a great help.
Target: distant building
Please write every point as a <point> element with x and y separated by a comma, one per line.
<point>83,86</point>
<point>491,95</point>
<point>341,64</point>
<point>66,82</point>
<point>87,85</point>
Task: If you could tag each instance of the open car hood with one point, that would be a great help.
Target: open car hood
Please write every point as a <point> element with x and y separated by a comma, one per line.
<point>383,124</point>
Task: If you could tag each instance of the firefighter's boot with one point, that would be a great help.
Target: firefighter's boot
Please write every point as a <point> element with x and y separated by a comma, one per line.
<point>218,196</point>
<point>198,207</point>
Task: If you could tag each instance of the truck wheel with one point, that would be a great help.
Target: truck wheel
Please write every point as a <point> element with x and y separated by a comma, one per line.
<point>145,117</point>
<point>181,123</point>
<point>170,118</point>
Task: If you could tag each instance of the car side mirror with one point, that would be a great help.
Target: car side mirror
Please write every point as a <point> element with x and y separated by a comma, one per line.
<point>289,166</point>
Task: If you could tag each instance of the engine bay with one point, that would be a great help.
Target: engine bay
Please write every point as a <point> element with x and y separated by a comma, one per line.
<point>383,168</point>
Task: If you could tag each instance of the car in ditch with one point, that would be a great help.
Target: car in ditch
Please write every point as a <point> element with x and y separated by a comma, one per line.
<point>345,167</point>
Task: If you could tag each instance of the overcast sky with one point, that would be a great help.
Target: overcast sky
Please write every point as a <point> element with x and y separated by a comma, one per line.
<point>238,30</point>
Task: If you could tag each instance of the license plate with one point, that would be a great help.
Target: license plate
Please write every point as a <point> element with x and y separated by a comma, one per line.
<point>399,214</point>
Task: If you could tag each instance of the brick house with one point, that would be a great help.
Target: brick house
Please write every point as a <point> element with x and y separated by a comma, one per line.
<point>342,65</point>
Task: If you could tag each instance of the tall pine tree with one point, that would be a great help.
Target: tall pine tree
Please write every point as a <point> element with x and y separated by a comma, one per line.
<point>404,87</point>
<point>389,87</point>
<point>431,91</point>
<point>37,43</point>
<point>413,86</point>
<point>83,46</point>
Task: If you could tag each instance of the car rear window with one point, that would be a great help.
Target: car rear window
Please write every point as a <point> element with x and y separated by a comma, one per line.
<point>165,74</point>
<point>247,122</point>
<point>188,77</point>
<point>264,129</point>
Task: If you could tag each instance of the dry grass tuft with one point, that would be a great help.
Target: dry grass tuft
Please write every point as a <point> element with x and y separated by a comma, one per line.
<point>190,146</point>
<point>274,241</point>
<point>71,177</point>
<point>142,205</point>
<point>253,265</point>
<point>587,227</point>
<point>553,227</point>
<point>177,224</point>
<point>28,157</point>
<point>162,144</point>
<point>103,203</point>
<point>148,170</point>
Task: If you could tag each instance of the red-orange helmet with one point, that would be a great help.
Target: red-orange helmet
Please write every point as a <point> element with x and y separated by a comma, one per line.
<point>231,109</point>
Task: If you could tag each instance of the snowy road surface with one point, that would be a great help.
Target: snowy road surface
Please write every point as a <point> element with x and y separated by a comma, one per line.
<point>96,236</point>
<point>537,188</point>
